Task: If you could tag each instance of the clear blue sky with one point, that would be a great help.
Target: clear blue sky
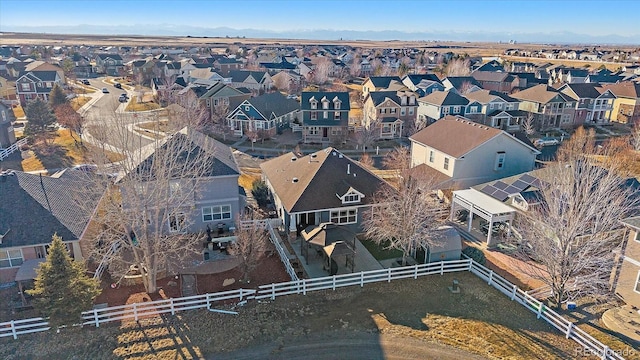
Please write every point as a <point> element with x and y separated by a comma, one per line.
<point>585,16</point>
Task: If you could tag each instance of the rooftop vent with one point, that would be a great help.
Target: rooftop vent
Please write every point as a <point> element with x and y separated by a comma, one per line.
<point>313,156</point>
<point>293,158</point>
<point>294,180</point>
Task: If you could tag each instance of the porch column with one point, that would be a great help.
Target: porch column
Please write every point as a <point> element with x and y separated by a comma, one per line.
<point>490,230</point>
<point>453,208</point>
<point>509,227</point>
<point>292,222</point>
<point>470,219</point>
<point>77,251</point>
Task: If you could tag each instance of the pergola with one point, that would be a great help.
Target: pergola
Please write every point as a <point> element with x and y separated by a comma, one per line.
<point>483,205</point>
<point>334,240</point>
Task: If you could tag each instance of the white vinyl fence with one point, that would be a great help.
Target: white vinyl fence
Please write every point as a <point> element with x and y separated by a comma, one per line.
<point>137,311</point>
<point>4,153</point>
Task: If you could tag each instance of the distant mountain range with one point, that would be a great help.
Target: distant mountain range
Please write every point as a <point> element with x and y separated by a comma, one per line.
<point>326,34</point>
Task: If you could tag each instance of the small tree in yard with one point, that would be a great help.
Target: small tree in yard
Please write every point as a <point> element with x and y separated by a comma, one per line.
<point>366,161</point>
<point>62,289</point>
<point>41,120</point>
<point>260,192</point>
<point>70,119</point>
<point>250,245</point>
<point>57,97</point>
<point>406,217</point>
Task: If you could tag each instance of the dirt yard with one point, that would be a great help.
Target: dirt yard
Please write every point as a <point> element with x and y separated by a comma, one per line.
<point>378,319</point>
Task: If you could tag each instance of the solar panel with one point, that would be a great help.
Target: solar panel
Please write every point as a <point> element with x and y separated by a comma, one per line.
<point>500,185</point>
<point>520,185</point>
<point>527,178</point>
<point>500,195</point>
<point>488,189</point>
<point>511,190</point>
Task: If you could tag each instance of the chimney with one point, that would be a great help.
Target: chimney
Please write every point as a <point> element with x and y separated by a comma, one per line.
<point>348,169</point>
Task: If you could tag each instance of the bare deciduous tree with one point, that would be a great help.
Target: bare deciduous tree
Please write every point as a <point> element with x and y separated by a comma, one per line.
<point>572,231</point>
<point>145,219</point>
<point>70,119</point>
<point>405,218</point>
<point>397,159</point>
<point>322,70</point>
<point>458,67</point>
<point>366,161</point>
<point>635,136</point>
<point>581,144</point>
<point>528,125</point>
<point>250,245</point>
<point>355,69</point>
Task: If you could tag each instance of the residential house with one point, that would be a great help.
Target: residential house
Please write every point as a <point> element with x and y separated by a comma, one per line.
<point>7,89</point>
<point>461,84</point>
<point>37,84</point>
<point>491,66</point>
<point>423,84</point>
<point>549,107</point>
<point>254,80</point>
<point>325,116</point>
<point>143,70</point>
<point>225,65</point>
<point>389,111</point>
<point>288,81</point>
<point>220,98</point>
<point>82,67</point>
<point>524,67</point>
<point>459,153</point>
<point>34,208</point>
<point>325,186</point>
<point>626,106</point>
<point>625,280</point>
<point>381,83</point>
<point>574,76</point>
<point>217,200</point>
<point>440,104</point>
<point>496,81</point>
<point>7,135</point>
<point>495,103</point>
<point>592,105</point>
<point>110,64</point>
<point>263,115</point>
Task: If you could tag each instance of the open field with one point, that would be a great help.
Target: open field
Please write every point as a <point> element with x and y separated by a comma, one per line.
<point>422,312</point>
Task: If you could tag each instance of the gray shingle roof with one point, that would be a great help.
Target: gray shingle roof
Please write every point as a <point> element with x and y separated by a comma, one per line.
<point>34,207</point>
<point>274,103</point>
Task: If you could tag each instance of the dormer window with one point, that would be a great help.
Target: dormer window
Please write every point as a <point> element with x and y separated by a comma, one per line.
<point>352,196</point>
<point>313,102</point>
<point>325,103</point>
<point>336,103</point>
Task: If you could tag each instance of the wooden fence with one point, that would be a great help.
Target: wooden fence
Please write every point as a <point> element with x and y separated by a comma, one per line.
<point>4,153</point>
<point>173,305</point>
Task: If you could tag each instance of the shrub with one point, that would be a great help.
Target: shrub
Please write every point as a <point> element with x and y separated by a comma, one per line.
<point>260,192</point>
<point>476,254</point>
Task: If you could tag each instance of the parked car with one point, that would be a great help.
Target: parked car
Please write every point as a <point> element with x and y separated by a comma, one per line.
<point>123,98</point>
<point>118,85</point>
<point>86,82</point>
<point>105,90</point>
<point>546,141</point>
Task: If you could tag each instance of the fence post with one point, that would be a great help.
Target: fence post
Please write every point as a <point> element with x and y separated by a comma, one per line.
<point>470,264</point>
<point>415,272</point>
<point>605,351</point>
<point>569,330</point>
<point>95,317</point>
<point>490,276</point>
<point>13,330</point>
<point>273,291</point>
<point>441,267</point>
<point>513,292</point>
<point>135,311</point>
<point>304,286</point>
<point>241,290</point>
<point>361,278</point>
<point>389,275</point>
<point>173,310</point>
<point>334,283</point>
<point>208,300</point>
<point>539,310</point>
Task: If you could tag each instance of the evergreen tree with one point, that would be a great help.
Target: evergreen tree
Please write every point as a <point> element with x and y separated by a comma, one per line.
<point>41,120</point>
<point>57,97</point>
<point>62,289</point>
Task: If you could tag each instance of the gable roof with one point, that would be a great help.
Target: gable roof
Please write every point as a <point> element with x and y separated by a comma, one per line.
<point>275,103</point>
<point>457,81</point>
<point>625,89</point>
<point>378,97</point>
<point>242,75</point>
<point>321,178</point>
<point>491,76</point>
<point>35,207</point>
<point>343,96</point>
<point>110,56</point>
<point>417,78</point>
<point>486,96</point>
<point>467,134</point>
<point>585,90</point>
<point>444,98</point>
<point>383,81</point>
<point>540,94</point>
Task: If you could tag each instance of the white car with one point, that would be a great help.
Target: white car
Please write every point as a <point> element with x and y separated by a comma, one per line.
<point>105,90</point>
<point>546,141</point>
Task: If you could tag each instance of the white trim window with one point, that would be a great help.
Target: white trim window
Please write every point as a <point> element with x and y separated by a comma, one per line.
<point>636,288</point>
<point>500,157</point>
<point>637,237</point>
<point>346,216</point>
<point>431,156</point>
<point>177,222</point>
<point>446,163</point>
<point>11,258</point>
<point>216,212</point>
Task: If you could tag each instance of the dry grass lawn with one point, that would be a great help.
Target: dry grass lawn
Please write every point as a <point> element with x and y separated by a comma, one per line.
<point>161,125</point>
<point>64,152</point>
<point>18,112</point>
<point>77,102</point>
<point>479,320</point>
<point>134,105</point>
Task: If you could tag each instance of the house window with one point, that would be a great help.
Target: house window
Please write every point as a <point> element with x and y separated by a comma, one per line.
<point>637,287</point>
<point>456,109</point>
<point>177,222</point>
<point>446,163</point>
<point>347,216</point>
<point>491,106</point>
<point>25,86</point>
<point>208,103</point>
<point>335,131</point>
<point>10,258</point>
<point>325,114</point>
<point>403,111</point>
<point>392,110</point>
<point>431,156</point>
<point>247,108</point>
<point>499,165</point>
<point>410,111</point>
<point>351,198</point>
<point>314,104</point>
<point>445,110</point>
<point>314,115</point>
<point>313,130</point>
<point>336,105</point>
<point>336,115</point>
<point>473,110</point>
<point>325,105</point>
<point>219,212</point>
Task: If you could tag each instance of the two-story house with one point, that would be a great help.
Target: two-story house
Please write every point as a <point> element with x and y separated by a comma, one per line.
<point>82,67</point>
<point>253,80</point>
<point>220,98</point>
<point>461,84</point>
<point>625,279</point>
<point>440,104</point>
<point>498,109</point>
<point>459,153</point>
<point>423,84</point>
<point>110,64</point>
<point>325,116</point>
<point>37,84</point>
<point>381,83</point>
<point>225,65</point>
<point>496,81</point>
<point>325,186</point>
<point>593,106</point>
<point>34,208</point>
<point>626,106</point>
<point>265,115</point>
<point>389,111</point>
<point>7,134</point>
<point>549,107</point>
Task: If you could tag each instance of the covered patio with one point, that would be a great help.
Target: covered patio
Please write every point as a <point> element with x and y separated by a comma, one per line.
<point>330,241</point>
<point>494,215</point>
